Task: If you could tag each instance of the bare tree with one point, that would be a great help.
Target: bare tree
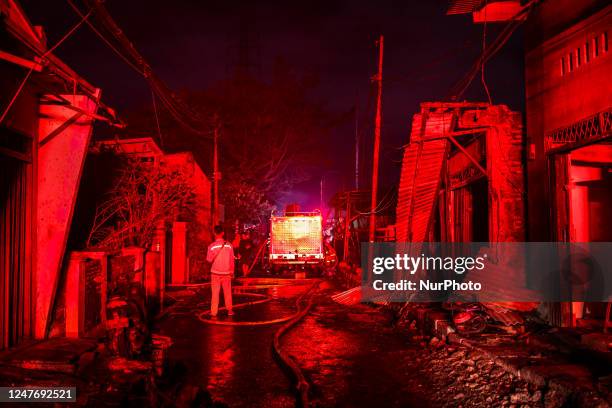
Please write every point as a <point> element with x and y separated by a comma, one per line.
<point>144,195</point>
<point>273,135</point>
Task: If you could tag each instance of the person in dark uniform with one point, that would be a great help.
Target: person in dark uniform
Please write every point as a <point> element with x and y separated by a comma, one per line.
<point>246,250</point>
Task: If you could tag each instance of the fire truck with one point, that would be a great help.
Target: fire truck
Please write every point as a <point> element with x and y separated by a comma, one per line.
<point>296,242</point>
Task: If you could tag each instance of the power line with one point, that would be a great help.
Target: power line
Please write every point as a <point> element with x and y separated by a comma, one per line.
<point>68,34</point>
<point>101,36</point>
<point>45,54</point>
<point>384,203</point>
<point>179,111</point>
<point>161,139</point>
<point>484,47</point>
<point>14,98</point>
<point>462,85</point>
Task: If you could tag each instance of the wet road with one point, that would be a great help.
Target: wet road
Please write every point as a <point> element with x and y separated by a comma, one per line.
<point>349,355</point>
<point>354,358</point>
<point>234,363</point>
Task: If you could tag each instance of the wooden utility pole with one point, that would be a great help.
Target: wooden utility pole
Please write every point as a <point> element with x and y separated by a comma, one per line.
<point>378,79</point>
<point>357,143</point>
<point>321,197</point>
<point>216,175</point>
<point>347,226</point>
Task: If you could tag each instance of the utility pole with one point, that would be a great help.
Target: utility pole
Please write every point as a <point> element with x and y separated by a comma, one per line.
<point>378,79</point>
<point>216,173</point>
<point>357,143</point>
<point>347,230</point>
<point>321,200</point>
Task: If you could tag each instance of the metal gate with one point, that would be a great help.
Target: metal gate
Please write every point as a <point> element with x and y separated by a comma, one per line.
<point>14,276</point>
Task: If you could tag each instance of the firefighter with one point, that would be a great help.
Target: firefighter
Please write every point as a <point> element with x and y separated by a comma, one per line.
<point>221,256</point>
<point>246,250</point>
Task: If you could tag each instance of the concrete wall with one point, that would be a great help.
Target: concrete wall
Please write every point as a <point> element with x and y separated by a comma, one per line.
<point>197,234</point>
<point>558,97</point>
<point>551,17</point>
<point>61,155</point>
<point>504,165</point>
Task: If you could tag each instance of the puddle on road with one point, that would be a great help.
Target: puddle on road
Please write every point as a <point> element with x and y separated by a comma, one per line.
<point>234,363</point>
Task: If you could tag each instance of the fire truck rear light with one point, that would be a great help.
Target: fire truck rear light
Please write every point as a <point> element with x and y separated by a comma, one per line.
<point>297,234</point>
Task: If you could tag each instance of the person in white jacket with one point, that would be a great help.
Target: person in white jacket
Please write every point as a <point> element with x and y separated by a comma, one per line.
<point>221,255</point>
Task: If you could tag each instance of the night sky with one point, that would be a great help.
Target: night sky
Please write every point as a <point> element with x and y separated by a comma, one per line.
<point>193,44</point>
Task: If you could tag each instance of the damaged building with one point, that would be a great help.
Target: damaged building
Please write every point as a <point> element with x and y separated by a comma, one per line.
<point>46,125</point>
<point>569,124</point>
<point>52,283</point>
<point>471,173</point>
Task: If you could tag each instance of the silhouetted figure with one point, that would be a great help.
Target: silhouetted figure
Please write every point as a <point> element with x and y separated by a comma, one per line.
<point>246,250</point>
<point>221,256</point>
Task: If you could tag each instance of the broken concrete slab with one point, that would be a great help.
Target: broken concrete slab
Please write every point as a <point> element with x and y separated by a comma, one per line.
<point>55,355</point>
<point>597,341</point>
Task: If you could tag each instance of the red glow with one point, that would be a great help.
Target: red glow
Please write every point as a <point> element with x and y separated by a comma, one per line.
<point>60,161</point>
<point>296,235</point>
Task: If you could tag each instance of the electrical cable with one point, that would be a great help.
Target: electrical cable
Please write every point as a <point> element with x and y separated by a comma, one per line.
<point>161,139</point>
<point>461,86</point>
<point>379,208</point>
<point>169,101</point>
<point>484,47</point>
<point>57,67</point>
<point>101,36</point>
<point>14,98</point>
<point>68,34</point>
<point>465,82</point>
<point>29,73</point>
<point>180,111</point>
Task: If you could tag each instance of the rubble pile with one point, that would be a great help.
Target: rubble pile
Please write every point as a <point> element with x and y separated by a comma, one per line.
<point>467,378</point>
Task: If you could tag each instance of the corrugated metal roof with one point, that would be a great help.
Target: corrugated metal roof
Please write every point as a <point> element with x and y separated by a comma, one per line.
<point>420,177</point>
<point>463,6</point>
<point>503,315</point>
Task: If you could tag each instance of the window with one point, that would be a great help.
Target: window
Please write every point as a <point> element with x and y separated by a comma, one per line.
<point>577,57</point>
<point>587,52</point>
<point>562,66</point>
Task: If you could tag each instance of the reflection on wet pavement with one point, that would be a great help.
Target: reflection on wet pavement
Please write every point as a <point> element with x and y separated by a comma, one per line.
<point>350,355</point>
<point>234,363</point>
<point>353,358</point>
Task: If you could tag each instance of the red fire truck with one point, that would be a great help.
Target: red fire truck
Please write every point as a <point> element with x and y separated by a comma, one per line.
<point>296,242</point>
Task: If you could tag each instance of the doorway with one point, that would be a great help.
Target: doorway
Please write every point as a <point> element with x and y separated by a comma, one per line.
<point>14,279</point>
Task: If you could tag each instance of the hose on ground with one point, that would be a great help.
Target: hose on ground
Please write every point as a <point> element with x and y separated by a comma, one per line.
<point>302,386</point>
<point>205,315</point>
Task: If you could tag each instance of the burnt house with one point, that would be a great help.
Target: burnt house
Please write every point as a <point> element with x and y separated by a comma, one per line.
<point>567,147</point>
<point>47,112</point>
<point>462,177</point>
<point>569,125</point>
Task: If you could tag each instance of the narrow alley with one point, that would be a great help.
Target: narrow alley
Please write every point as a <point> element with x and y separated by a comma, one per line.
<point>350,356</point>
<point>308,204</point>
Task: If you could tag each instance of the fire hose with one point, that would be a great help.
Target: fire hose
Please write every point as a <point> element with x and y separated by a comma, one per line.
<point>302,308</point>
<point>205,316</point>
<point>260,251</point>
<point>301,385</point>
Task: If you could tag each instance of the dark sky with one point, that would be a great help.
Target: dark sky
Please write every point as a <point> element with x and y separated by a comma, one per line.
<point>192,44</point>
